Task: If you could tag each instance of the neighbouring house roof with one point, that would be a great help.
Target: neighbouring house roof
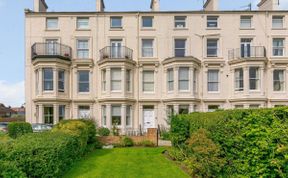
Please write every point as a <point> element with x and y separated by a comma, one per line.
<point>5,110</point>
<point>20,109</point>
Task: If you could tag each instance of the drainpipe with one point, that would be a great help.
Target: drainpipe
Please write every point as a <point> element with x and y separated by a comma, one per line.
<point>137,70</point>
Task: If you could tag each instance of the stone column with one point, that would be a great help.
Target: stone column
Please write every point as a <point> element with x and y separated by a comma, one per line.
<point>55,83</point>
<point>246,81</point>
<point>108,116</point>
<point>123,117</point>
<point>67,112</point>
<point>55,113</point>
<point>191,69</point>
<point>191,108</point>
<point>176,73</point>
<point>176,108</point>
<point>40,82</point>
<point>123,81</point>
<point>40,118</point>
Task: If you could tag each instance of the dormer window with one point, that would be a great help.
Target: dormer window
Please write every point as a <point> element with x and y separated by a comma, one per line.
<point>180,21</point>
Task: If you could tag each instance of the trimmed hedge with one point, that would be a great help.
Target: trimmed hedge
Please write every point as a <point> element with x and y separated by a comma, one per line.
<point>254,142</point>
<point>17,129</point>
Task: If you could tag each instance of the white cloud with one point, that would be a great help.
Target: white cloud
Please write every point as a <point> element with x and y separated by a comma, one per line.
<point>12,94</point>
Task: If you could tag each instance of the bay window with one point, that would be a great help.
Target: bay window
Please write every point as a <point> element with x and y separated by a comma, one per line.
<point>116,79</point>
<point>170,79</point>
<point>116,114</point>
<point>84,112</point>
<point>61,80</point>
<point>48,115</point>
<point>183,78</point>
<point>239,83</point>
<point>48,79</point>
<point>254,78</point>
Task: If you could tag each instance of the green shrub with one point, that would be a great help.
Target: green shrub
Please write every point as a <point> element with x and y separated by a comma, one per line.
<point>91,130</point>
<point>127,142</point>
<point>177,154</point>
<point>165,135</point>
<point>179,129</point>
<point>16,129</point>
<point>102,131</point>
<point>47,154</point>
<point>10,170</point>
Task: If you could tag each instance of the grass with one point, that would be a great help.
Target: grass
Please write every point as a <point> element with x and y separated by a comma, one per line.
<point>126,163</point>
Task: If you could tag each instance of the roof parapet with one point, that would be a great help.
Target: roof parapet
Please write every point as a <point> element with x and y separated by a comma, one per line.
<point>100,5</point>
<point>266,5</point>
<point>155,5</point>
<point>211,5</point>
<point>40,6</point>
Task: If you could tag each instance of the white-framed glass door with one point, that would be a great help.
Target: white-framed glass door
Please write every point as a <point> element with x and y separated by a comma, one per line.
<point>51,46</point>
<point>116,48</point>
<point>246,47</point>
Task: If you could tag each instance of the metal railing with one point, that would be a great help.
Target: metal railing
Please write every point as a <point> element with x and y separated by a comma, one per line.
<point>51,50</point>
<point>247,53</point>
<point>121,52</point>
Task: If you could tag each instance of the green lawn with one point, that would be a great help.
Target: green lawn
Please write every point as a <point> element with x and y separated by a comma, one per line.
<point>126,162</point>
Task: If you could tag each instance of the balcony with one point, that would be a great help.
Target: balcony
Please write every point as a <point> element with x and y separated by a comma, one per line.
<point>51,50</point>
<point>111,52</point>
<point>247,53</point>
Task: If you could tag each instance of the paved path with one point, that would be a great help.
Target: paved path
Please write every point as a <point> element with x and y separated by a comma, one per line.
<point>164,143</point>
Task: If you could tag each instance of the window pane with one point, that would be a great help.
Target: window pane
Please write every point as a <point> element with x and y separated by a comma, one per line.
<point>83,81</point>
<point>128,116</point>
<point>246,22</point>
<point>84,112</point>
<point>278,80</point>
<point>212,47</point>
<point>212,108</point>
<point>48,115</point>
<point>147,21</point>
<point>184,109</point>
<point>254,78</point>
<point>239,84</point>
<point>180,47</point>
<point>82,49</point>
<point>104,116</point>
<point>61,112</point>
<point>277,22</point>
<point>82,23</point>
<point>48,79</point>
<point>180,21</point>
<point>213,80</point>
<point>170,79</point>
<point>61,81</point>
<point>116,22</point>
<point>147,48</point>
<point>212,21</point>
<point>115,79</point>
<point>278,47</point>
<point>116,115</point>
<point>52,23</point>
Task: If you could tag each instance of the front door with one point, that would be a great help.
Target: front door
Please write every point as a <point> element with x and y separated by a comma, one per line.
<point>246,47</point>
<point>116,47</point>
<point>149,118</point>
<point>51,46</point>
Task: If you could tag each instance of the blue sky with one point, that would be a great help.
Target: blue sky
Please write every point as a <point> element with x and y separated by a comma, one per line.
<point>12,36</point>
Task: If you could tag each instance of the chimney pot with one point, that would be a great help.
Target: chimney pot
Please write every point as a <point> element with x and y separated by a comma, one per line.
<point>40,6</point>
<point>211,5</point>
<point>155,5</point>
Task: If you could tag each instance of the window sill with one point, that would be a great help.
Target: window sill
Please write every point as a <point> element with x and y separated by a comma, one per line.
<point>254,91</point>
<point>180,29</point>
<point>83,93</point>
<point>116,29</point>
<point>146,58</point>
<point>116,91</point>
<point>148,93</point>
<point>83,29</point>
<point>48,92</point>
<point>213,92</point>
<point>246,28</point>
<point>279,92</point>
<point>279,28</point>
<point>214,57</point>
<point>214,28</point>
<point>184,91</point>
<point>52,30</point>
<point>278,57</point>
<point>148,29</point>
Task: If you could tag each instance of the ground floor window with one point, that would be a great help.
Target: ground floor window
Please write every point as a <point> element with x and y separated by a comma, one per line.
<point>48,115</point>
<point>84,112</point>
<point>128,116</point>
<point>184,109</point>
<point>239,106</point>
<point>212,108</point>
<point>61,112</point>
<point>170,110</point>
<point>254,106</point>
<point>104,115</point>
<point>116,115</point>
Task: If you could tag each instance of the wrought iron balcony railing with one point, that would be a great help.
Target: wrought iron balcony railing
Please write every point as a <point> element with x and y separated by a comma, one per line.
<point>117,52</point>
<point>51,50</point>
<point>251,52</point>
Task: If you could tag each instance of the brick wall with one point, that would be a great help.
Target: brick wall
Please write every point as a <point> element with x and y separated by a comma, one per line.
<point>151,135</point>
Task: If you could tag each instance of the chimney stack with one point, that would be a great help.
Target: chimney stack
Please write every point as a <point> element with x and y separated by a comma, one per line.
<point>267,5</point>
<point>155,5</point>
<point>40,6</point>
<point>211,5</point>
<point>100,6</point>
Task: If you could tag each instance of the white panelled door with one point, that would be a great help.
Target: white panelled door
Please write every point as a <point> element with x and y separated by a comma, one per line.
<point>149,118</point>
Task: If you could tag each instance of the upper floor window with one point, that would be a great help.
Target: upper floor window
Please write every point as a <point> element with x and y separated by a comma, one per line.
<point>278,47</point>
<point>170,79</point>
<point>212,47</point>
<point>254,78</point>
<point>84,112</point>
<point>277,22</point>
<point>116,79</point>
<point>183,78</point>
<point>246,22</point>
<point>147,48</point>
<point>213,80</point>
<point>180,21</point>
<point>52,23</point>
<point>82,23</point>
<point>48,79</point>
<point>103,78</point>
<point>61,81</point>
<point>212,21</point>
<point>83,49</point>
<point>147,22</point>
<point>128,80</point>
<point>148,81</point>
<point>278,80</point>
<point>180,47</point>
<point>83,81</point>
<point>116,22</point>
<point>239,82</point>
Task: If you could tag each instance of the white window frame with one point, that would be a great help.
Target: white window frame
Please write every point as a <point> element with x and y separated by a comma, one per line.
<point>180,21</point>
<point>61,81</point>
<point>83,82</point>
<point>213,109</point>
<point>150,53</point>
<point>256,79</point>
<point>170,79</point>
<point>239,79</point>
<point>244,20</point>
<point>128,80</point>
<point>176,48</point>
<point>212,47</point>
<point>212,20</point>
<point>116,17</point>
<point>151,81</point>
<point>278,20</point>
<point>61,114</point>
<point>279,48</point>
<point>280,82</point>
<point>184,80</point>
<point>128,116</point>
<point>87,108</point>
<point>49,115</point>
<point>147,17</point>
<point>78,23</point>
<point>113,80</point>
<point>112,114</point>
<point>80,49</point>
<point>56,27</point>
<point>50,80</point>
<point>183,106</point>
<point>104,80</point>
<point>104,115</point>
<point>212,82</point>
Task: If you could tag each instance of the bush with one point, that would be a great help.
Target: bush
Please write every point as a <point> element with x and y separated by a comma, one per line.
<point>126,142</point>
<point>91,130</point>
<point>146,143</point>
<point>9,169</point>
<point>253,142</point>
<point>47,154</point>
<point>103,131</point>
<point>17,129</point>
<point>165,134</point>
